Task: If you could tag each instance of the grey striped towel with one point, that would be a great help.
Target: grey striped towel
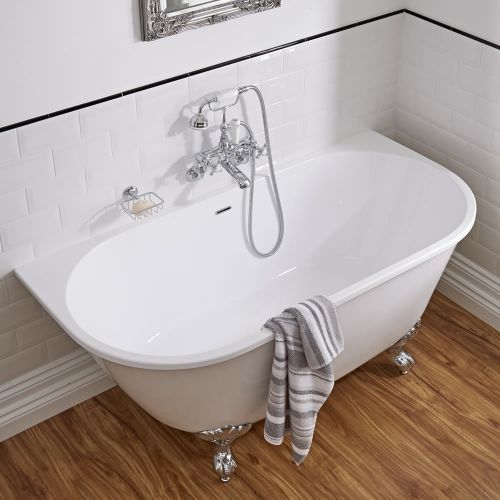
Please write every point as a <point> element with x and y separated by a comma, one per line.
<point>307,339</point>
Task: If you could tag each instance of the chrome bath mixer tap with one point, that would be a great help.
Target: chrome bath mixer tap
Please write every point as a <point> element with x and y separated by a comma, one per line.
<point>231,152</point>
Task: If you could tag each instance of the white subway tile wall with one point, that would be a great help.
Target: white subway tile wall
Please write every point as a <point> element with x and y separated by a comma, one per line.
<point>449,110</point>
<point>45,135</point>
<point>60,179</point>
<point>9,147</point>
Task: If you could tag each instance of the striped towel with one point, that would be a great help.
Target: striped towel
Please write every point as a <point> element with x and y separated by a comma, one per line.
<point>307,338</point>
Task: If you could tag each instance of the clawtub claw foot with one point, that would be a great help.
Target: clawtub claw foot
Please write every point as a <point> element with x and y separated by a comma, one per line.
<point>402,359</point>
<point>224,462</point>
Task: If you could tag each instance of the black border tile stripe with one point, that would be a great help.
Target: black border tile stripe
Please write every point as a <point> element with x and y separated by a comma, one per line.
<point>239,59</point>
<point>455,30</point>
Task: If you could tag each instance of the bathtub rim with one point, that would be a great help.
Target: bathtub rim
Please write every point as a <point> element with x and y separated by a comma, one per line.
<point>34,275</point>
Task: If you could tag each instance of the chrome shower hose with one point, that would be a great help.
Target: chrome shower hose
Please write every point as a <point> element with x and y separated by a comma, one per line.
<point>279,208</point>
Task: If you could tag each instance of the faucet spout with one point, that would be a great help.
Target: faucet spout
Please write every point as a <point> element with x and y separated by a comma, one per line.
<point>242,180</point>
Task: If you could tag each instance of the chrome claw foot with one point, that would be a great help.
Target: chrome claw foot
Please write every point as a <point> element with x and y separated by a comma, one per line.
<point>401,358</point>
<point>404,361</point>
<point>224,462</point>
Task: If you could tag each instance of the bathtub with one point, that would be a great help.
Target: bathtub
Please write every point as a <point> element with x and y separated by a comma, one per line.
<point>174,306</point>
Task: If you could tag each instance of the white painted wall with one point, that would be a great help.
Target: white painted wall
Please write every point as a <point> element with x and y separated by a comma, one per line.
<point>56,54</point>
<point>479,17</point>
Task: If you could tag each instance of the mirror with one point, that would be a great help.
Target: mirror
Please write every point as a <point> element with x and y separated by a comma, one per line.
<point>162,18</point>
<point>175,5</point>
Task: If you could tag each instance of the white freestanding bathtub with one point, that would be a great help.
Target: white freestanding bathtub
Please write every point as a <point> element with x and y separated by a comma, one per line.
<point>175,306</point>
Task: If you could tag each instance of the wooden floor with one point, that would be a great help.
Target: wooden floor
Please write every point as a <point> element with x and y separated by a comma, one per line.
<point>432,434</point>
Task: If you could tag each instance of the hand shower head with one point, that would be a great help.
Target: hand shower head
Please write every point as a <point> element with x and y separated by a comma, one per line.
<point>199,121</point>
<point>219,102</point>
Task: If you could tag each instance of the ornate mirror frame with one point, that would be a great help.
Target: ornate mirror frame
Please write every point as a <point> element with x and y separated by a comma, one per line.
<point>158,23</point>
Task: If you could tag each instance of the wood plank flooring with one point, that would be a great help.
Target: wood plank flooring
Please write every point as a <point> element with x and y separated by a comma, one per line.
<point>432,434</point>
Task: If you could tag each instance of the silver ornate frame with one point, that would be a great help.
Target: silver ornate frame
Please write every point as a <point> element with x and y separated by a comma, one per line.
<point>160,24</point>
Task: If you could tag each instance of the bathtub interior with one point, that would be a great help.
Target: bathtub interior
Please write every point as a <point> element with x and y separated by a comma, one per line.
<point>348,216</point>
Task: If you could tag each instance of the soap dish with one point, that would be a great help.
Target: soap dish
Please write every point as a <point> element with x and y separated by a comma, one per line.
<point>139,206</point>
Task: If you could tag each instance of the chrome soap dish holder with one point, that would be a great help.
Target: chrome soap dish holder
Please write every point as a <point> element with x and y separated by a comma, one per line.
<point>139,206</point>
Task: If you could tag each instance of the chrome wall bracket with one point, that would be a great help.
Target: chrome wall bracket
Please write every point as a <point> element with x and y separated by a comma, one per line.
<point>159,23</point>
<point>401,358</point>
<point>221,439</point>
